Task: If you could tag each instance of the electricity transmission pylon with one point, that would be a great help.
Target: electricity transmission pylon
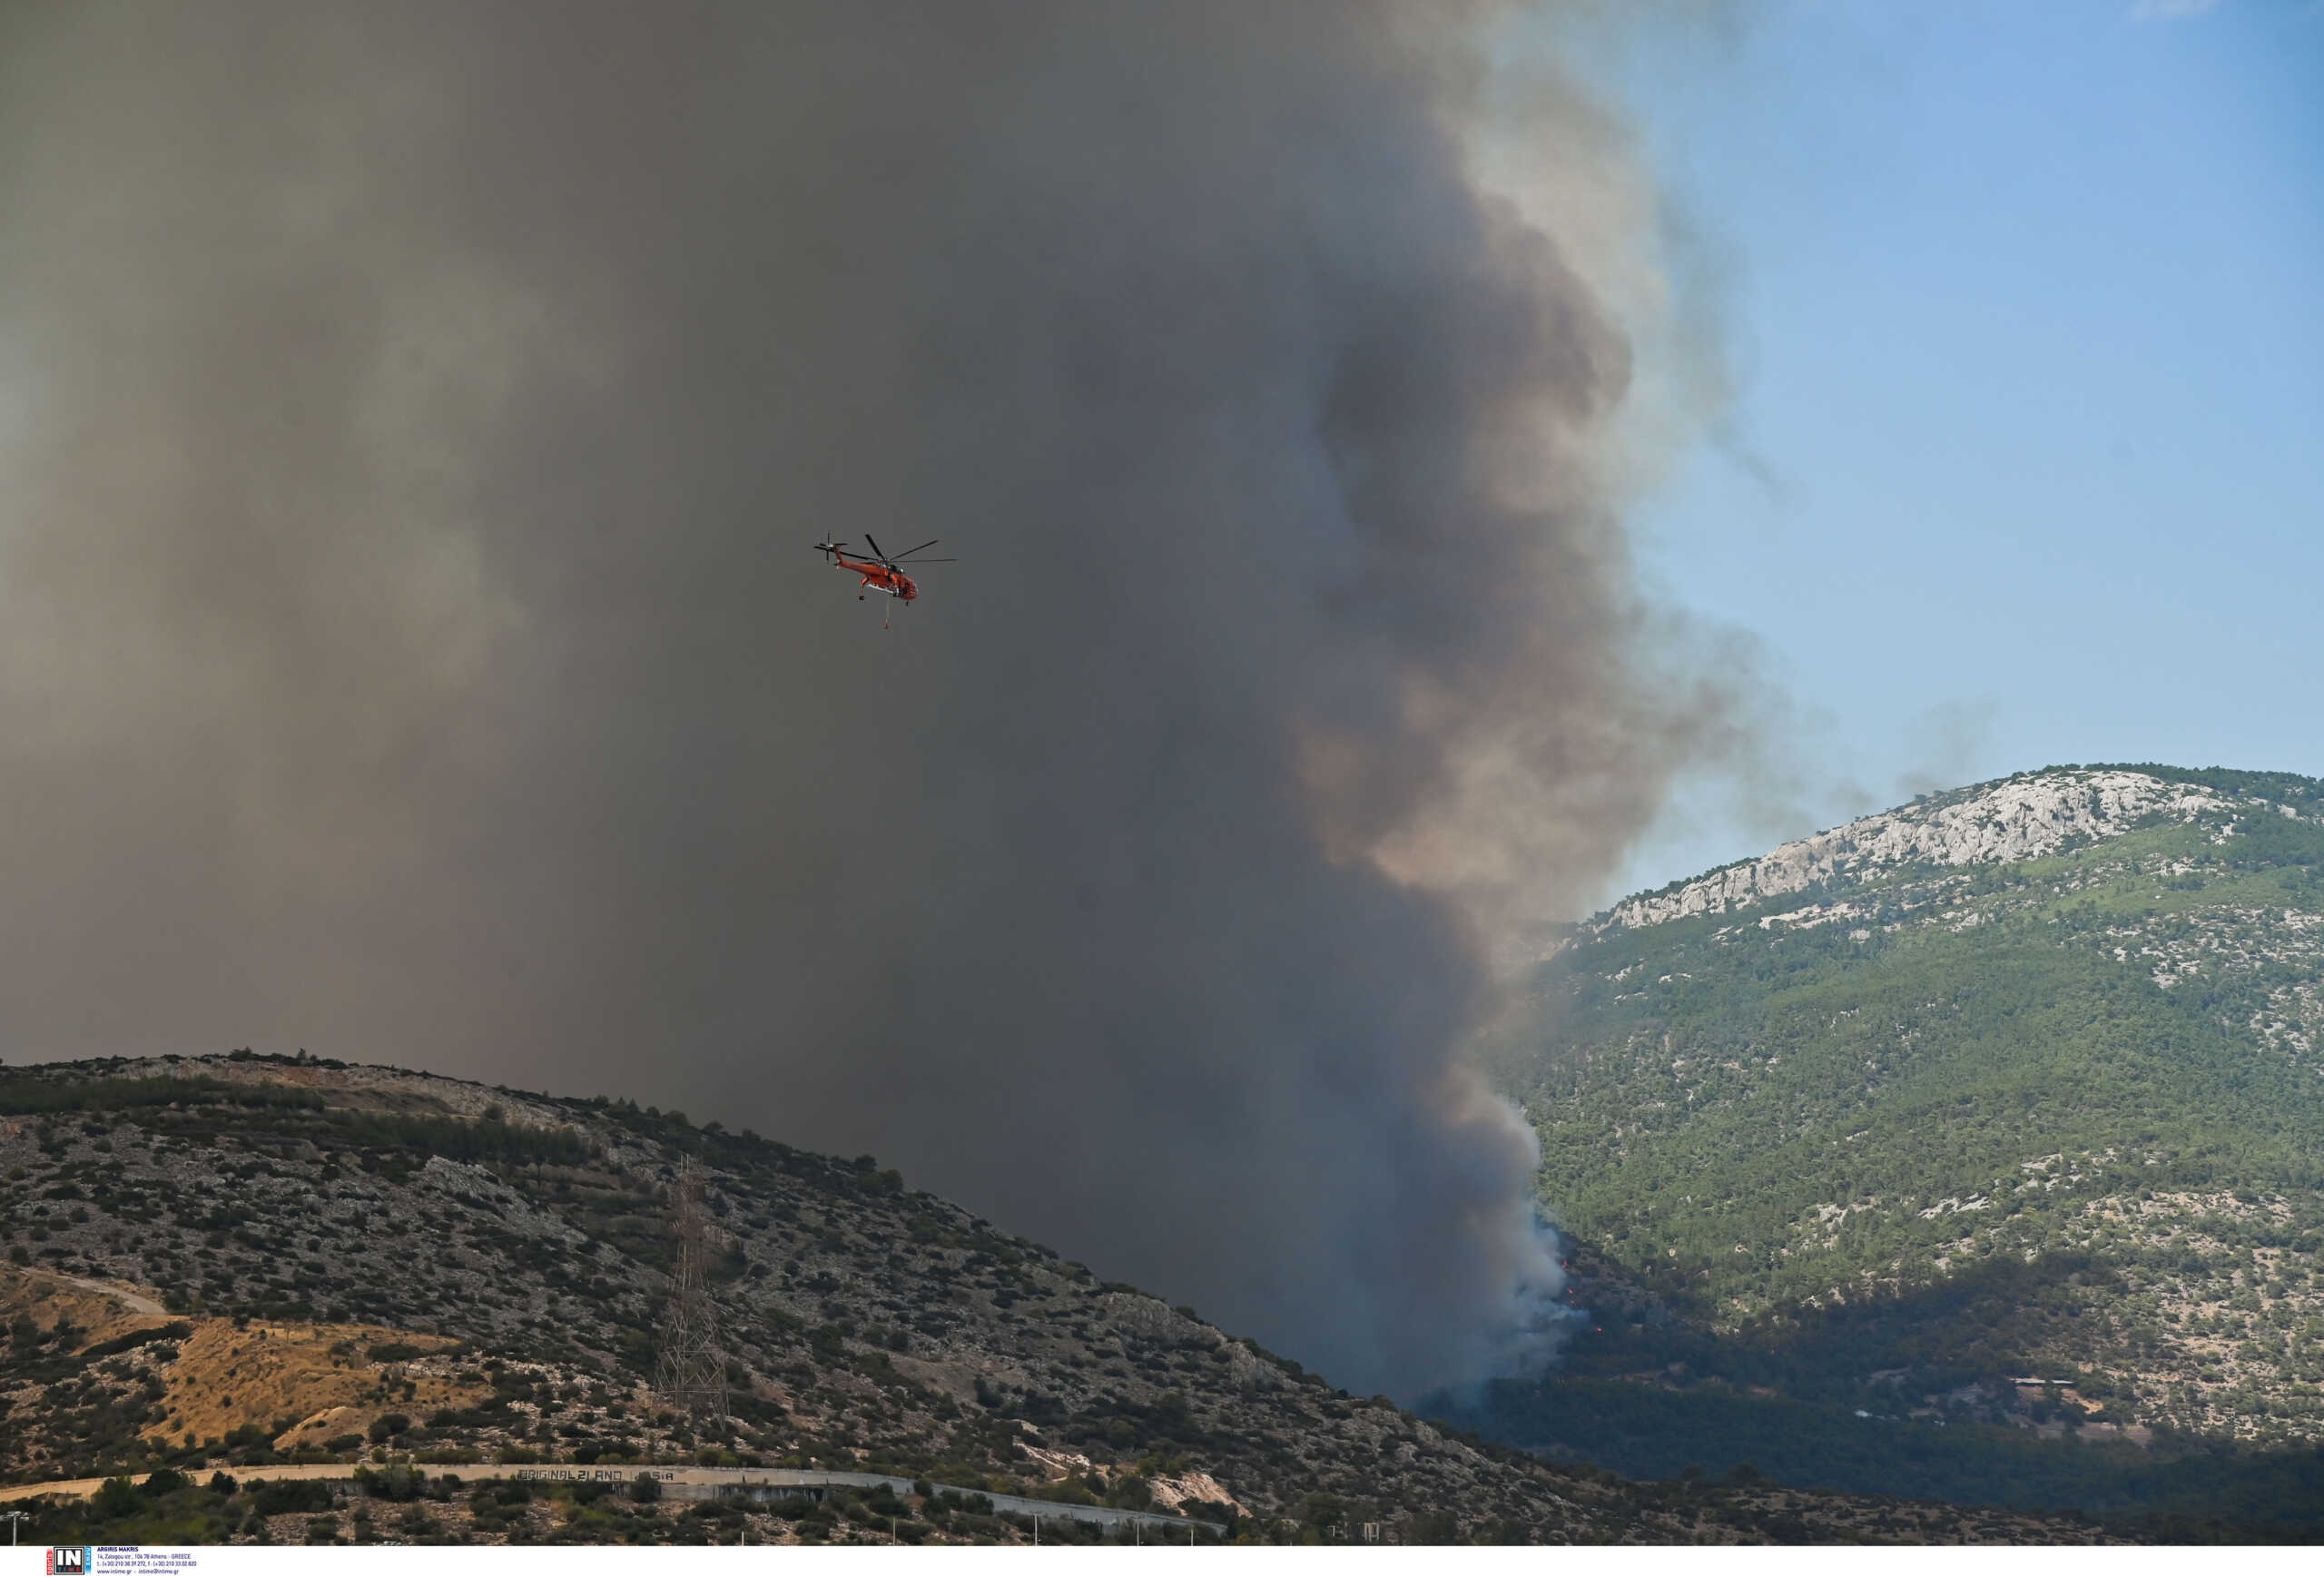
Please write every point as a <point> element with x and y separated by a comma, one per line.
<point>690,1375</point>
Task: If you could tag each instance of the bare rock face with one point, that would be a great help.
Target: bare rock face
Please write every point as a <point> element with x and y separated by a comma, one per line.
<point>2021,818</point>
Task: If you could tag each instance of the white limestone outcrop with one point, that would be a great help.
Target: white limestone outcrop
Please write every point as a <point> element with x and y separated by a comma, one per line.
<point>2020,819</point>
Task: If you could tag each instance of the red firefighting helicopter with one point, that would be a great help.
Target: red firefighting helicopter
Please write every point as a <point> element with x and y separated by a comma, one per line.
<point>879,572</point>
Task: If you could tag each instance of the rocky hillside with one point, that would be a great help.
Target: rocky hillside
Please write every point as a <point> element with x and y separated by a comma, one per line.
<point>231,1263</point>
<point>2001,1111</point>
<point>2016,818</point>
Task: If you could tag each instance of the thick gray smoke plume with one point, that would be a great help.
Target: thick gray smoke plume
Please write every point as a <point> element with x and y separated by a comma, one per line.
<point>413,421</point>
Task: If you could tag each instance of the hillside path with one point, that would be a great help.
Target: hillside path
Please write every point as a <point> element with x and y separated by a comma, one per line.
<point>135,1301</point>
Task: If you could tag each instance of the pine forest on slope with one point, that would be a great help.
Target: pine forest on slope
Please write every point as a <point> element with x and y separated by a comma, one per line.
<point>2020,1083</point>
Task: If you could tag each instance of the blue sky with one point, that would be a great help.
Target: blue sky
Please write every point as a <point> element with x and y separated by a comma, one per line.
<point>2025,459</point>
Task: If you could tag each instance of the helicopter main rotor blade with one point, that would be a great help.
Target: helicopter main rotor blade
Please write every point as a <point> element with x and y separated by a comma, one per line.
<point>908,552</point>
<point>875,547</point>
<point>916,563</point>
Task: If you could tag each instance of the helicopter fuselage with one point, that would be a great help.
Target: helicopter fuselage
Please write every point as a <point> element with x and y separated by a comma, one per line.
<point>879,577</point>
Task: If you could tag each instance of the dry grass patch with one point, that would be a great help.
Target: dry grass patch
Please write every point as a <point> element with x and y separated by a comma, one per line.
<point>228,1376</point>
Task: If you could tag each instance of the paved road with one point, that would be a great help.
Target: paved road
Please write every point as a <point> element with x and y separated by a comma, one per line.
<point>760,1483</point>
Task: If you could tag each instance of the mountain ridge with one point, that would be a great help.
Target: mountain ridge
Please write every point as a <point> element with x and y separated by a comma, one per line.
<point>2023,816</point>
<point>2022,1080</point>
